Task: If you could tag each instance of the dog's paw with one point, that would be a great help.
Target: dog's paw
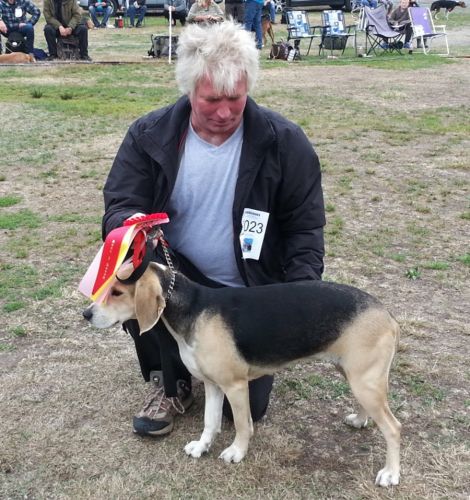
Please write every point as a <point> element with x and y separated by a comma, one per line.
<point>354,420</point>
<point>196,448</point>
<point>386,478</point>
<point>232,454</point>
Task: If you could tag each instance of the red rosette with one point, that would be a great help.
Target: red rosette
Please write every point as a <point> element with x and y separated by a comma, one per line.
<point>147,221</point>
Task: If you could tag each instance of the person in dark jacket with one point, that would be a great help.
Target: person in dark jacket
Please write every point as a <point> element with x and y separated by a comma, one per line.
<point>139,9</point>
<point>242,188</point>
<point>63,18</point>
<point>13,17</point>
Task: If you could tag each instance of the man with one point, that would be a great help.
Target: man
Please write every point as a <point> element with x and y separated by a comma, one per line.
<point>178,10</point>
<point>13,18</point>
<point>139,9</point>
<point>63,18</point>
<point>252,20</point>
<point>217,163</point>
<point>99,7</point>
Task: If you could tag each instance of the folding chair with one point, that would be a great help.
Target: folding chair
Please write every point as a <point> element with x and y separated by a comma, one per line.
<point>379,33</point>
<point>335,33</point>
<point>424,29</point>
<point>298,28</point>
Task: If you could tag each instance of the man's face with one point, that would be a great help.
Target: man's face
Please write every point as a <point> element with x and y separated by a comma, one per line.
<point>404,4</point>
<point>216,114</point>
<point>11,2</point>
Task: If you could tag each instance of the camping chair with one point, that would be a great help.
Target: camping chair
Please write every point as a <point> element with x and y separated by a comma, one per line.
<point>379,33</point>
<point>335,33</point>
<point>424,30</point>
<point>298,28</point>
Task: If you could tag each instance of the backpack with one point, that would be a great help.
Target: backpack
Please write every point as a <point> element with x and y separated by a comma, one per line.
<point>15,43</point>
<point>68,48</point>
<point>284,51</point>
<point>161,46</point>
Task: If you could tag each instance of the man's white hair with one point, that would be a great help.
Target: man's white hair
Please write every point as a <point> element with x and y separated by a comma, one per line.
<point>223,52</point>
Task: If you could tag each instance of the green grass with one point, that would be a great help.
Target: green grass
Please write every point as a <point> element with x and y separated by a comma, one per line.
<point>9,201</point>
<point>18,220</point>
<point>315,386</point>
<point>419,387</point>
<point>22,283</point>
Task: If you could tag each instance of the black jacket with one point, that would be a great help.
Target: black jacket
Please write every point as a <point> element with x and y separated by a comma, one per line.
<point>279,173</point>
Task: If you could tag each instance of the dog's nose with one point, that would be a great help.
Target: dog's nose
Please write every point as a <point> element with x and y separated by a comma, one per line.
<point>87,314</point>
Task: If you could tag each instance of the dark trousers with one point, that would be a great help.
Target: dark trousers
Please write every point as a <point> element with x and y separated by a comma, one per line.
<point>52,34</point>
<point>180,16</point>
<point>235,10</point>
<point>28,33</point>
<point>158,350</point>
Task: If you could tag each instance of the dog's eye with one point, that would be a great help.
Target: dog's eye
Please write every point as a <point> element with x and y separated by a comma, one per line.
<point>115,293</point>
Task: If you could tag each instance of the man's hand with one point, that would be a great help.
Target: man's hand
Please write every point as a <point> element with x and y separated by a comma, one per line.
<point>65,31</point>
<point>3,27</point>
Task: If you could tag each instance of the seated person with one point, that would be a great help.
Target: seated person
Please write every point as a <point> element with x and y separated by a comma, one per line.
<point>63,18</point>
<point>400,21</point>
<point>99,7</point>
<point>205,11</point>
<point>178,11</point>
<point>13,18</point>
<point>139,9</point>
<point>368,3</point>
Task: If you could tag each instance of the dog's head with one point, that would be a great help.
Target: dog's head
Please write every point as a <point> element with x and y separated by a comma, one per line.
<point>143,300</point>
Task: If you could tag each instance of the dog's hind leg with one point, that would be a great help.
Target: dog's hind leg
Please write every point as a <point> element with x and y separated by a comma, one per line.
<point>238,398</point>
<point>368,378</point>
<point>212,420</point>
<point>271,33</point>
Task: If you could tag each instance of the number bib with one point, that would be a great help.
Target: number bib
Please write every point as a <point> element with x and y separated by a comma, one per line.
<point>254,224</point>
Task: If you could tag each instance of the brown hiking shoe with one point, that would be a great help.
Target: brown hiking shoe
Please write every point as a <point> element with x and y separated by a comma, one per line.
<point>158,413</point>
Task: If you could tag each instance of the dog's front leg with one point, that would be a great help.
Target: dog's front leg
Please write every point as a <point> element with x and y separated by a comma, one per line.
<point>212,420</point>
<point>240,403</point>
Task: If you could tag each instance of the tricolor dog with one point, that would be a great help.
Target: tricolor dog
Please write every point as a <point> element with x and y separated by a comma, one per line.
<point>448,5</point>
<point>228,336</point>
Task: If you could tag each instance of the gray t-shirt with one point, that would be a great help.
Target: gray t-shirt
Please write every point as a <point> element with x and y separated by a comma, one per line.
<point>200,207</point>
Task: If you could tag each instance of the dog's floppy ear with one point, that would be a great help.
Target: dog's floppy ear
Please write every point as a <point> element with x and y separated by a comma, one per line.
<point>125,271</point>
<point>149,300</point>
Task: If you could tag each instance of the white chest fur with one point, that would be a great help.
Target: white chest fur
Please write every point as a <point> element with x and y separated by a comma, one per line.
<point>186,353</point>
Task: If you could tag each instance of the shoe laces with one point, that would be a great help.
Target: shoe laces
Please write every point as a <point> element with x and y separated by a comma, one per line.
<point>157,400</point>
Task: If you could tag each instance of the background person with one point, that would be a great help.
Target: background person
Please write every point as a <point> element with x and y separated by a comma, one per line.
<point>63,18</point>
<point>252,20</point>
<point>216,161</point>
<point>13,17</point>
<point>400,21</point>
<point>178,9</point>
<point>205,11</point>
<point>102,8</point>
<point>235,9</point>
<point>139,9</point>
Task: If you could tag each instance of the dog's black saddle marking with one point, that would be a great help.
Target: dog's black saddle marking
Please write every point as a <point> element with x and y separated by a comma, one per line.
<point>299,320</point>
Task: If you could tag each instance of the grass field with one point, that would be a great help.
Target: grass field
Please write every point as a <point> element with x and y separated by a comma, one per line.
<point>392,134</point>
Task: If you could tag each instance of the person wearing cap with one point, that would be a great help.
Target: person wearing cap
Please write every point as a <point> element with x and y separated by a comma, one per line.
<point>241,186</point>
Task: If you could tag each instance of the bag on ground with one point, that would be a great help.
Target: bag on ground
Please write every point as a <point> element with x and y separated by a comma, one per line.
<point>161,46</point>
